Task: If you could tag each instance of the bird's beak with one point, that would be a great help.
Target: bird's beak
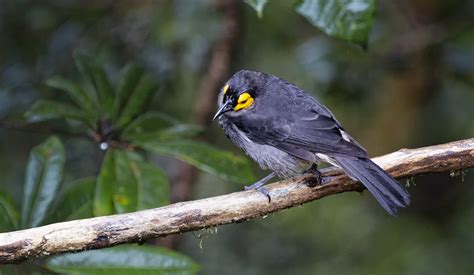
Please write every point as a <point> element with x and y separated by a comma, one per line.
<point>225,108</point>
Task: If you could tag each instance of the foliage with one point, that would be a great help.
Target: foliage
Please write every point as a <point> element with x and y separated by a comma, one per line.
<point>42,181</point>
<point>416,76</point>
<point>258,5</point>
<point>128,183</point>
<point>132,179</point>
<point>204,156</point>
<point>126,259</point>
<point>349,20</point>
<point>8,213</point>
<point>116,117</point>
<point>74,202</point>
<point>113,116</point>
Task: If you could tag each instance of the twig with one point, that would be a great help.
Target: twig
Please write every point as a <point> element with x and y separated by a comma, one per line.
<point>181,217</point>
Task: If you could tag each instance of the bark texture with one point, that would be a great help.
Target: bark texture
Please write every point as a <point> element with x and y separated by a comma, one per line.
<point>101,232</point>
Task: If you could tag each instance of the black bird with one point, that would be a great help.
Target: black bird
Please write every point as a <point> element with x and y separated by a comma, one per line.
<point>288,131</point>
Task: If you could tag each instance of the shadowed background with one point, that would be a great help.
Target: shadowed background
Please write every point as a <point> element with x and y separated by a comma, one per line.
<point>412,87</point>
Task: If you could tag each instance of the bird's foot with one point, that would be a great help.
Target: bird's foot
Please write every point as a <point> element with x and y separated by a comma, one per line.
<point>259,186</point>
<point>317,178</point>
<point>260,189</point>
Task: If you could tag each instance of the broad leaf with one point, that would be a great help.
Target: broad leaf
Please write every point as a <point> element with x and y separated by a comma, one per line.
<point>125,259</point>
<point>179,131</point>
<point>83,64</point>
<point>149,122</point>
<point>129,79</point>
<point>47,109</point>
<point>104,192</point>
<point>344,19</point>
<point>152,183</point>
<point>137,101</point>
<point>75,202</point>
<point>96,76</point>
<point>128,183</point>
<point>42,181</point>
<point>8,214</point>
<point>204,157</point>
<point>159,126</point>
<point>125,186</point>
<point>75,92</point>
<point>104,90</point>
<point>257,5</point>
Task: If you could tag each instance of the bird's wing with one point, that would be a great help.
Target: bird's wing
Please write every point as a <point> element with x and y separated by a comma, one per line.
<point>307,129</point>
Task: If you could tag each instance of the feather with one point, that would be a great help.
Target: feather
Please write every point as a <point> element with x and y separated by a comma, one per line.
<point>386,190</point>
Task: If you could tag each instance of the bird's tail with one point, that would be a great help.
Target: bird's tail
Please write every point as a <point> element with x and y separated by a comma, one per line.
<point>386,190</point>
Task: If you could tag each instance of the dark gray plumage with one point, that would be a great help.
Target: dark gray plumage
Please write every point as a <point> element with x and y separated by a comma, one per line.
<point>286,130</point>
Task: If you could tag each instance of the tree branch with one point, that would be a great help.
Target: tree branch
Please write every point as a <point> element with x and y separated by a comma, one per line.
<point>181,217</point>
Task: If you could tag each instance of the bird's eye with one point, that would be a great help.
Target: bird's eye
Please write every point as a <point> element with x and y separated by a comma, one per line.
<point>244,101</point>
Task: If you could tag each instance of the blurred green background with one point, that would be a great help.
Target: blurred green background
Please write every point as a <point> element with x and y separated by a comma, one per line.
<point>412,86</point>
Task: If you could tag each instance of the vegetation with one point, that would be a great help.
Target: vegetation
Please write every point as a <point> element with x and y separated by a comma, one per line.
<point>97,106</point>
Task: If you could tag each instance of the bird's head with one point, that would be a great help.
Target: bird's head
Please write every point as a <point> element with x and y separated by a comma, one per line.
<point>240,93</point>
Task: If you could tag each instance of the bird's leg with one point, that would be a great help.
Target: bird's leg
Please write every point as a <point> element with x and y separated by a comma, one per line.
<point>317,180</point>
<point>259,185</point>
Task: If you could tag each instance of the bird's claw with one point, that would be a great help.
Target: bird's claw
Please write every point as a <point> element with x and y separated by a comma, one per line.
<point>260,189</point>
<point>317,179</point>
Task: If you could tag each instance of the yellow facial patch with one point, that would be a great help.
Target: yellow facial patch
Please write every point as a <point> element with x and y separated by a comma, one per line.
<point>245,100</point>
<point>224,90</point>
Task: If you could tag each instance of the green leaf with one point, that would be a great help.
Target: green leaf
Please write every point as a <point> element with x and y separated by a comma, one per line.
<point>42,181</point>
<point>83,64</point>
<point>96,76</point>
<point>257,5</point>
<point>103,203</point>
<point>125,188</point>
<point>137,101</point>
<point>104,90</point>
<point>125,259</point>
<point>8,214</point>
<point>75,92</point>
<point>128,183</point>
<point>47,109</point>
<point>149,122</point>
<point>160,126</point>
<point>75,202</point>
<point>205,157</point>
<point>152,183</point>
<point>179,131</point>
<point>344,19</point>
<point>129,79</point>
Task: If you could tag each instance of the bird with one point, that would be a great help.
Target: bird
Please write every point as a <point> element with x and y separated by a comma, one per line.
<point>288,131</point>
